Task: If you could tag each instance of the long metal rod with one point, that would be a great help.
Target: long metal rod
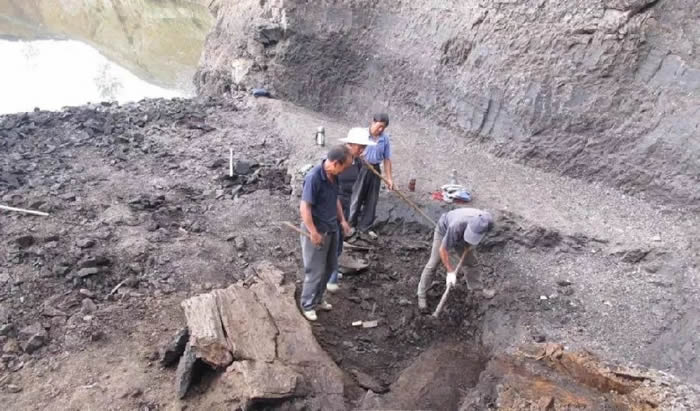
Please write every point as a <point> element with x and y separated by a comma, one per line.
<point>399,193</point>
<point>22,210</point>
<point>443,300</point>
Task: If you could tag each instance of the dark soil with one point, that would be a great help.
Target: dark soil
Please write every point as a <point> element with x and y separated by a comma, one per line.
<point>386,293</point>
<point>143,214</point>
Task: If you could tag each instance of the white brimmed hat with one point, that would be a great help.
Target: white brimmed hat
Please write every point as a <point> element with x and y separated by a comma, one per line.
<point>358,135</point>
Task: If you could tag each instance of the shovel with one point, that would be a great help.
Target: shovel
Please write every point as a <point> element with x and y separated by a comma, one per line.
<point>443,299</point>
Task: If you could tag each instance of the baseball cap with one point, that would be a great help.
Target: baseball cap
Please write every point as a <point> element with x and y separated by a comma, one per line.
<point>477,228</point>
<point>358,135</point>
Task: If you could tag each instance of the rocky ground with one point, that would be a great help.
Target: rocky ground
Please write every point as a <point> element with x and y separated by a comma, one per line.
<point>144,215</point>
<point>604,91</point>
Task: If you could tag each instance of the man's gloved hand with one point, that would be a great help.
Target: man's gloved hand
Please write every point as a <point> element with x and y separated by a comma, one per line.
<point>451,279</point>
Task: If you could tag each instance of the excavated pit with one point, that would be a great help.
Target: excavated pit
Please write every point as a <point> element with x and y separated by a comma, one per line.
<point>411,359</point>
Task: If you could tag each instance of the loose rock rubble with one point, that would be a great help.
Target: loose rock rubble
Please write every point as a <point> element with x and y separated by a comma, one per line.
<point>143,211</point>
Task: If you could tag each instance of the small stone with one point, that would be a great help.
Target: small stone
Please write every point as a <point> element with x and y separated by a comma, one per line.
<point>243,167</point>
<point>656,238</point>
<point>4,314</point>
<point>652,267</point>
<point>172,352</point>
<point>404,302</point>
<point>543,297</point>
<point>540,338</point>
<point>50,311</point>
<point>95,262</point>
<point>183,374</point>
<point>25,241</point>
<point>240,243</point>
<point>35,342</point>
<point>545,403</point>
<point>489,293</point>
<point>88,318</point>
<point>88,306</point>
<point>8,358</point>
<point>85,243</point>
<point>33,330</point>
<point>217,163</point>
<point>6,329</point>
<point>11,346</point>
<point>88,271</point>
<point>368,382</point>
<point>86,293</point>
<point>16,365</point>
<point>564,283</point>
<point>152,356</point>
<point>60,270</point>
<point>12,388</point>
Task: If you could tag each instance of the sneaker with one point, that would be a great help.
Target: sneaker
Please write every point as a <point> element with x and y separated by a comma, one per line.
<point>332,287</point>
<point>364,237</point>
<point>310,315</point>
<point>422,304</point>
<point>325,306</point>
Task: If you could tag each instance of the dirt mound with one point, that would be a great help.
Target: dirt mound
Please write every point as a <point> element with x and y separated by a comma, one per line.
<point>125,193</point>
<point>605,92</point>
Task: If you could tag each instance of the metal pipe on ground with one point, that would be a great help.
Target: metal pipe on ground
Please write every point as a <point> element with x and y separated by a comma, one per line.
<point>22,210</point>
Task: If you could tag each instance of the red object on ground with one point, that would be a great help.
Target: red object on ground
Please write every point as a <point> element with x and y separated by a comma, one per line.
<point>437,195</point>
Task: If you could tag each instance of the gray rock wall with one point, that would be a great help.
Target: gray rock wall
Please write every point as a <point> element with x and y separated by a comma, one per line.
<point>605,90</point>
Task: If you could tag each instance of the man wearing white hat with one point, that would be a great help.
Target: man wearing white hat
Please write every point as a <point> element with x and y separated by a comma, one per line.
<point>456,229</point>
<point>365,194</point>
<point>357,139</point>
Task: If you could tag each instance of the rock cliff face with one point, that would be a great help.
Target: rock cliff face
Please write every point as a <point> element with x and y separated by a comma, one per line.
<point>158,41</point>
<point>605,90</point>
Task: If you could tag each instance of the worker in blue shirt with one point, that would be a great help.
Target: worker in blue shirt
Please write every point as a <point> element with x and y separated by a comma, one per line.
<point>365,192</point>
<point>322,216</point>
